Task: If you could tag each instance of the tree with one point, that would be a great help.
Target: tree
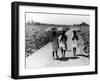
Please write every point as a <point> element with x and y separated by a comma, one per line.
<point>84,24</point>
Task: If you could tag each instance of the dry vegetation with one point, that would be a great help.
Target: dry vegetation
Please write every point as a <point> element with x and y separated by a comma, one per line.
<point>86,38</point>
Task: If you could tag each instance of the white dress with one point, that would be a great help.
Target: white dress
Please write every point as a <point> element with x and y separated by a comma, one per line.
<point>61,44</point>
<point>74,44</point>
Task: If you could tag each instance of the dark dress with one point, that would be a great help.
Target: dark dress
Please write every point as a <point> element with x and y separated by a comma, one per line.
<point>55,43</point>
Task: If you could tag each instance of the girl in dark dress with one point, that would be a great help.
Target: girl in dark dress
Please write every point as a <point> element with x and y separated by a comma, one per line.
<point>55,44</point>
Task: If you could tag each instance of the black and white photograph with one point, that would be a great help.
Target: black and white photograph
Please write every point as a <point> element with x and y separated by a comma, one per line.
<point>56,40</point>
<point>50,40</point>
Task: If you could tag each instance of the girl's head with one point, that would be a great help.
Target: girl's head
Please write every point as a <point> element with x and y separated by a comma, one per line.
<point>74,32</point>
<point>54,33</point>
<point>63,32</point>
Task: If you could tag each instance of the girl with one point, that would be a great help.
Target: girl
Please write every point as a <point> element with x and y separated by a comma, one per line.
<point>55,44</point>
<point>63,44</point>
<point>75,41</point>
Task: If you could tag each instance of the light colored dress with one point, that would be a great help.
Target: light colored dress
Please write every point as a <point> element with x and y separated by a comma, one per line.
<point>62,44</point>
<point>74,43</point>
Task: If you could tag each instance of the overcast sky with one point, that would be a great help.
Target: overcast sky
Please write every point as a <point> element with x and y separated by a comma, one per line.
<point>67,19</point>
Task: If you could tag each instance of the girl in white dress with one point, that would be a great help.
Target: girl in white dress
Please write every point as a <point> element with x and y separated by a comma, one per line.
<point>75,42</point>
<point>62,43</point>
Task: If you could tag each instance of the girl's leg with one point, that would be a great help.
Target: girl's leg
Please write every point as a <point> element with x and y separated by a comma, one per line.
<point>57,55</point>
<point>64,53</point>
<point>74,51</point>
<point>53,54</point>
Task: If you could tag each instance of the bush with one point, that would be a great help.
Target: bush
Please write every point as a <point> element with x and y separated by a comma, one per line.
<point>36,41</point>
<point>85,36</point>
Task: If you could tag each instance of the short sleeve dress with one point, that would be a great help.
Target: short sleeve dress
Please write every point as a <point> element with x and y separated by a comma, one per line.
<point>55,44</point>
<point>75,42</point>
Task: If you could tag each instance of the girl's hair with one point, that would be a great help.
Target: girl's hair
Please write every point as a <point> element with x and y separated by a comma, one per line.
<point>74,32</point>
<point>75,36</point>
<point>54,34</point>
<point>63,32</point>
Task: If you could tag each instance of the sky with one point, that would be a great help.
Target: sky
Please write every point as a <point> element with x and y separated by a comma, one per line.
<point>65,19</point>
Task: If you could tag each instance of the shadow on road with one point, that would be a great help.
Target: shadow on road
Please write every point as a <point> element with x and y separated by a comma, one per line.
<point>67,58</point>
<point>69,50</point>
<point>83,55</point>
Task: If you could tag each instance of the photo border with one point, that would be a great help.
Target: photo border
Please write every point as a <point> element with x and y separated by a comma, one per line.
<point>15,39</point>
